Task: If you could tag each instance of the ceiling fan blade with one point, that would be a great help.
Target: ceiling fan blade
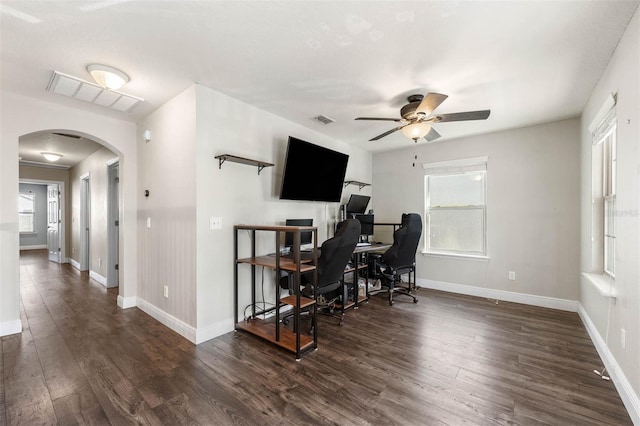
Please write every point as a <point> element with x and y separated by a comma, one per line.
<point>387,133</point>
<point>460,116</point>
<point>430,102</point>
<point>432,135</point>
<point>379,119</point>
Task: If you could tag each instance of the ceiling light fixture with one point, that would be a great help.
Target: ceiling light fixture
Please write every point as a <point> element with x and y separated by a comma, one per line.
<point>51,156</point>
<point>416,131</point>
<point>108,77</point>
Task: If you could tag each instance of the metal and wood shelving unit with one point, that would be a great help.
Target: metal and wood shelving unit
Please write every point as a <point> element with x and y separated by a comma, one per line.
<point>271,329</point>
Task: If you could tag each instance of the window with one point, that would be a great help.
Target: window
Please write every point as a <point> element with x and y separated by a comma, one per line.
<point>26,212</point>
<point>603,169</point>
<point>455,207</point>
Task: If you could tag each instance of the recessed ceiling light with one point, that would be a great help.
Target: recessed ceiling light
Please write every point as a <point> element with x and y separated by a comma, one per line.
<point>51,156</point>
<point>108,77</point>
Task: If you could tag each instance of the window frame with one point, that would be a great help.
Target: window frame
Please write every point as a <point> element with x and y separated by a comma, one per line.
<point>455,168</point>
<point>31,213</point>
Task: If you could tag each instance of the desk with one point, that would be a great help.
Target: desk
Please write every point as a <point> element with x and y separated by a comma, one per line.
<point>357,266</point>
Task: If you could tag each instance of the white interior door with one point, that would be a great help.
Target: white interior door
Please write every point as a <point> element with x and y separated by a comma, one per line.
<point>53,222</point>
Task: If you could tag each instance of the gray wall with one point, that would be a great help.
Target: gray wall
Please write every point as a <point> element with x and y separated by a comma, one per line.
<point>533,182</point>
<point>611,317</point>
<point>39,238</point>
<point>96,166</point>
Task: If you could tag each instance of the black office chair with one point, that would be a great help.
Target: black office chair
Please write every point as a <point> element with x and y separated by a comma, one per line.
<point>400,259</point>
<point>335,253</point>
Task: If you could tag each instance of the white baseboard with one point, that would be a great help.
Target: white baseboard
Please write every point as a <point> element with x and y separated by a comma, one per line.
<point>10,327</point>
<point>179,326</point>
<point>627,394</point>
<point>99,278</point>
<point>74,263</point>
<point>127,302</point>
<point>36,247</point>
<point>214,330</point>
<point>507,296</point>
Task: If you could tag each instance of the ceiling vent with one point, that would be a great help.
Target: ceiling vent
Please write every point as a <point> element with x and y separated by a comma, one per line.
<point>324,119</point>
<point>64,84</point>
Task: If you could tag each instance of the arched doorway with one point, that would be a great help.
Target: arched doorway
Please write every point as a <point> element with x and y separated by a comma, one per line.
<point>91,212</point>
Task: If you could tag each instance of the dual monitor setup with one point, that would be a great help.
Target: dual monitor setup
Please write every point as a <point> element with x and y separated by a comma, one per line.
<point>355,208</point>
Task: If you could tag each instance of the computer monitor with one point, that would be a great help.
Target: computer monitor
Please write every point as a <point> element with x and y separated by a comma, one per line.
<point>366,225</point>
<point>357,204</point>
<point>306,237</point>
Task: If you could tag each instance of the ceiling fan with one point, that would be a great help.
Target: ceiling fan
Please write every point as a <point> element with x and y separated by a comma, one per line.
<point>417,119</point>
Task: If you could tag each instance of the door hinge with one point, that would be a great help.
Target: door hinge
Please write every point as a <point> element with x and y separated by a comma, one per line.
<point>59,249</point>
<point>117,179</point>
<point>117,223</point>
<point>117,267</point>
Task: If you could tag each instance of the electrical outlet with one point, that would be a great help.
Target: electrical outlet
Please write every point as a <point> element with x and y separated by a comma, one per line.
<point>215,223</point>
<point>148,223</point>
<point>512,275</point>
<point>166,291</point>
<point>99,262</point>
<point>623,338</point>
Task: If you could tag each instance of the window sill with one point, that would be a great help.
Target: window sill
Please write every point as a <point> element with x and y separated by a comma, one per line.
<point>605,285</point>
<point>28,233</point>
<point>456,256</point>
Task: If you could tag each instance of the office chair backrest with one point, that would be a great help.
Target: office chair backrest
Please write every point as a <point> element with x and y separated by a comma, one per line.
<point>336,252</point>
<point>405,242</point>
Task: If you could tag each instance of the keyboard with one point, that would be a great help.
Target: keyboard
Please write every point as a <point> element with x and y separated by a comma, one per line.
<point>363,244</point>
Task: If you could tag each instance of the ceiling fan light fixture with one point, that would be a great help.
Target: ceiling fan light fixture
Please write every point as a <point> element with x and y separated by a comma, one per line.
<point>51,156</point>
<point>416,131</point>
<point>108,77</point>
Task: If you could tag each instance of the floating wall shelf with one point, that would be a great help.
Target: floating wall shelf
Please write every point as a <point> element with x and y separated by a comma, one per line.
<point>355,182</point>
<point>234,159</point>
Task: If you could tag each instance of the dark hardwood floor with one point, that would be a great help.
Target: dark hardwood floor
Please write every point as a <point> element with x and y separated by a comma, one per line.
<point>449,359</point>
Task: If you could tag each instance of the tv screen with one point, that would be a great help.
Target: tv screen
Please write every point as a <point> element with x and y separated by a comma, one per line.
<point>312,172</point>
<point>357,204</point>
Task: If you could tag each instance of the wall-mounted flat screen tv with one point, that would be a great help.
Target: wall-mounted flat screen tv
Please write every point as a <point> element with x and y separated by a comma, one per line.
<point>312,172</point>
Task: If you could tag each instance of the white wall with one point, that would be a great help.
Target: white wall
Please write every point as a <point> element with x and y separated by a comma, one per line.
<point>621,77</point>
<point>238,195</point>
<point>532,208</point>
<point>167,169</point>
<point>187,188</point>
<point>19,116</point>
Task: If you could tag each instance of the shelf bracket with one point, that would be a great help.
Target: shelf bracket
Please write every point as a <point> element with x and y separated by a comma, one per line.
<point>260,167</point>
<point>360,185</point>
<point>221,161</point>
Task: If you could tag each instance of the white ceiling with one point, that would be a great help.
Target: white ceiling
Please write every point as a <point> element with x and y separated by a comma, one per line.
<point>73,149</point>
<point>528,61</point>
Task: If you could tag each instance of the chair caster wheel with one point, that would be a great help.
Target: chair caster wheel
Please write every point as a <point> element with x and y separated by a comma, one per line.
<point>285,321</point>
<point>390,303</point>
<point>341,323</point>
<point>415,300</point>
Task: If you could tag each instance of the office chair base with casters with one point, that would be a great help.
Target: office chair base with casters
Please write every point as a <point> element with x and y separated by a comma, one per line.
<point>391,281</point>
<point>400,259</point>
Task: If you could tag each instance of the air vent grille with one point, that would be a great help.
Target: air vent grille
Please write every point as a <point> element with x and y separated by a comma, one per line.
<point>82,90</point>
<point>324,119</point>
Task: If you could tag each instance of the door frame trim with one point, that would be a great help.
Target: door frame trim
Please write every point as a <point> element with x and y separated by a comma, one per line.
<point>84,258</point>
<point>113,214</point>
